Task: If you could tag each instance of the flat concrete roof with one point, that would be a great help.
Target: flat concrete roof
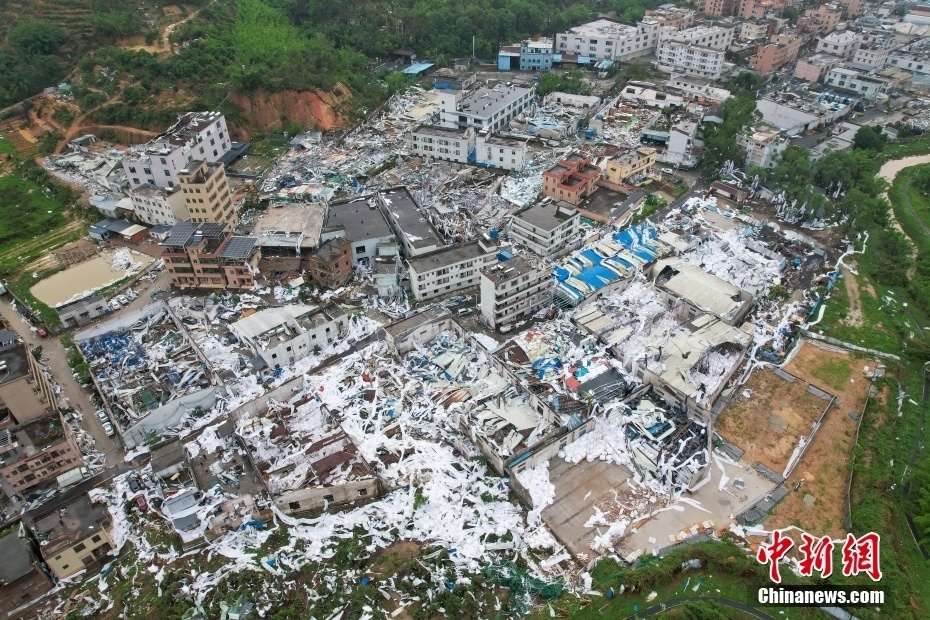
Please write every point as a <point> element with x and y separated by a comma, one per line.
<point>604,28</point>
<point>285,224</point>
<point>508,269</point>
<point>486,102</point>
<point>406,212</point>
<point>358,219</point>
<point>440,132</point>
<point>545,215</point>
<point>447,256</point>
<point>69,524</point>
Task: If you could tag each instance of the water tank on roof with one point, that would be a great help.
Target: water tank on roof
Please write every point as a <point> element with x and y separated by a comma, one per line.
<point>494,234</point>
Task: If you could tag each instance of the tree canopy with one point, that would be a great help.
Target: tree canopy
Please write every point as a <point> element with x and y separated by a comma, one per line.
<point>870,138</point>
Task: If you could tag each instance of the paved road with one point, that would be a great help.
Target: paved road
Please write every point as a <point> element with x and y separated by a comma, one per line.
<point>678,601</point>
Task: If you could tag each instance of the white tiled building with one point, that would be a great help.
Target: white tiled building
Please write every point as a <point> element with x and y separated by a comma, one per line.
<point>838,43</point>
<point>866,86</point>
<point>514,289</point>
<point>485,108</point>
<point>610,40</point>
<point>713,37</point>
<point>499,152</point>
<point>448,270</point>
<point>283,335</point>
<point>681,58</point>
<point>910,62</point>
<point>548,228</point>
<point>201,136</point>
<point>442,143</point>
<point>762,147</point>
<point>155,205</point>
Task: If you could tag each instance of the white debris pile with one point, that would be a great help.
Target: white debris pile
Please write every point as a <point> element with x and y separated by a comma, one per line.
<point>123,259</point>
<point>542,492</point>
<point>726,256</point>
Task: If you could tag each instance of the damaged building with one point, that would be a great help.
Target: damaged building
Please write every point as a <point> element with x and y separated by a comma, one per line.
<point>280,336</point>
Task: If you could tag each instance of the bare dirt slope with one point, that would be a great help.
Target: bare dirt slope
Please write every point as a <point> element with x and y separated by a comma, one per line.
<point>268,112</point>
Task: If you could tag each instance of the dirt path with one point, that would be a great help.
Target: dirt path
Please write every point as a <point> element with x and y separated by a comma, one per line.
<point>854,318</point>
<point>43,242</point>
<point>75,129</point>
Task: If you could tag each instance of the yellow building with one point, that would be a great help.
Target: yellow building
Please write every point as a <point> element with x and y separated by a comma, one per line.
<point>74,537</point>
<point>630,164</point>
<point>207,194</point>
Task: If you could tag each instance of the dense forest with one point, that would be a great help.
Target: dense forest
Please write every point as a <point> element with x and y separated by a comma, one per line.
<point>245,45</point>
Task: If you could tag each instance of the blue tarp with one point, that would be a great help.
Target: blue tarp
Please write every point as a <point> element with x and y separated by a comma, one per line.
<point>418,68</point>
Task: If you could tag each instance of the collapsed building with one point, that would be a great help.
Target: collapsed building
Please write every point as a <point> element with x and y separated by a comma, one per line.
<point>280,336</point>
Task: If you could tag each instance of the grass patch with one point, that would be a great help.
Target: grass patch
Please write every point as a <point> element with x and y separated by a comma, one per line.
<point>6,147</point>
<point>834,373</point>
<point>19,286</point>
<point>29,212</point>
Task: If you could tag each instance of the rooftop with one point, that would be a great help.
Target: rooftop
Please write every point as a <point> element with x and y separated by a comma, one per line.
<point>263,322</point>
<point>412,223</point>
<point>69,524</point>
<point>704,290</point>
<point>359,218</point>
<point>439,132</point>
<point>604,28</point>
<point>13,355</point>
<point>547,215</point>
<point>17,555</point>
<point>27,439</point>
<point>291,223</point>
<point>239,248</point>
<point>486,102</point>
<point>183,233</point>
<point>331,249</point>
<point>501,141</point>
<point>509,269</point>
<point>448,256</point>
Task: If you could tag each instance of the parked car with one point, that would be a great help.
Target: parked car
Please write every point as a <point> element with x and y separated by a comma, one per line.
<point>122,299</point>
<point>41,333</point>
<point>135,484</point>
<point>108,429</point>
<point>115,304</point>
<point>668,171</point>
<point>131,294</point>
<point>463,311</point>
<point>505,328</point>
<point>142,503</point>
<point>102,415</point>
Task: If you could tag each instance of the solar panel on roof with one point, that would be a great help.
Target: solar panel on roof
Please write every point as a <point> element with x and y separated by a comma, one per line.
<point>239,247</point>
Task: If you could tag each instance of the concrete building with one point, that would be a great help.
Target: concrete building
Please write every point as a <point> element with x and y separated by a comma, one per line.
<point>490,108</point>
<point>281,336</point>
<point>629,166</point>
<point>700,291</point>
<point>499,152</point>
<point>866,86</point>
<point>360,221</point>
<point>682,146</point>
<point>609,40</point>
<point>814,68</point>
<point>681,58</point>
<point>536,55</point>
<point>673,16</point>
<point>442,143</point>
<point>83,311</point>
<point>869,57</point>
<point>826,17</point>
<point>781,49</point>
<point>22,580</point>
<point>851,8</point>
<point>207,194</point>
<point>712,37</point>
<point>754,31</point>
<point>290,229</point>
<point>571,179</point>
<point>210,256</point>
<point>550,229</point>
<point>74,537</point>
<point>720,8</point>
<point>515,289</point>
<point>37,451</point>
<point>411,225</point>
<point>201,136</point>
<point>841,44</point>
<point>758,9</point>
<point>25,392</point>
<point>701,90</point>
<point>762,147</point>
<point>156,205</point>
<point>331,265</point>
<point>451,269</point>
<point>909,62</point>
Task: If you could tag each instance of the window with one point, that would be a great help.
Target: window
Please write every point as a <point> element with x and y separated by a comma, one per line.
<point>65,567</point>
<point>360,249</point>
<point>294,505</point>
<point>328,498</point>
<point>362,492</point>
<point>132,169</point>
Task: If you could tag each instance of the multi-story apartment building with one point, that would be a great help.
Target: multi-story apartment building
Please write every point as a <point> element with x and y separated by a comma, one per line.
<point>549,229</point>
<point>571,179</point>
<point>451,269</point>
<point>360,221</point>
<point>160,206</point>
<point>754,31</point>
<point>514,289</point>
<point>411,225</point>
<point>841,44</point>
<point>681,58</point>
<point>762,147</point>
<point>826,17</point>
<point>852,8</point>
<point>283,335</point>
<point>781,49</point>
<point>442,143</point>
<point>757,9</point>
<point>536,55</point>
<point>207,194</point>
<point>74,537</point>
<point>201,136</point>
<point>680,149</point>
<point>633,163</point>
<point>869,57</point>
<point>866,86</point>
<point>814,68</point>
<point>909,62</point>
<point>490,108</point>
<point>720,8</point>
<point>208,255</point>
<point>712,37</point>
<point>25,392</point>
<point>499,152</point>
<point>331,264</point>
<point>38,451</point>
<point>22,579</point>
<point>610,40</point>
<point>674,16</point>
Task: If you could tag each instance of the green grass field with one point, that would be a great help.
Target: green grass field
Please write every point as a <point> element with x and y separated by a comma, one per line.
<point>27,212</point>
<point>7,148</point>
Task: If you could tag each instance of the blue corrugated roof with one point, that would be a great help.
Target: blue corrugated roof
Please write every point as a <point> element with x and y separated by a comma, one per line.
<point>419,67</point>
<point>584,60</point>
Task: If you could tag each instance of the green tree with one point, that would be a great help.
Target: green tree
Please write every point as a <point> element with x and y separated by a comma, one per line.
<point>870,138</point>
<point>34,37</point>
